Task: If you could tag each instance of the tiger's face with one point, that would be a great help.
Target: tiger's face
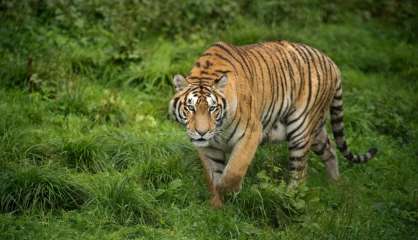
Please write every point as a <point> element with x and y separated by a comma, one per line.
<point>200,108</point>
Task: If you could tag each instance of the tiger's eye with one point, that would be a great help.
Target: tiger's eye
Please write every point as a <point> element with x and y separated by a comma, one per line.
<point>190,107</point>
<point>212,108</point>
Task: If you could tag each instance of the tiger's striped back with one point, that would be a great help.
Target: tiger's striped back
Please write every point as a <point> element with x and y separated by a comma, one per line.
<point>286,78</point>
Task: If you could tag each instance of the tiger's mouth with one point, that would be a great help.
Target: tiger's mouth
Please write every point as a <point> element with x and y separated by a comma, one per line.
<point>200,142</point>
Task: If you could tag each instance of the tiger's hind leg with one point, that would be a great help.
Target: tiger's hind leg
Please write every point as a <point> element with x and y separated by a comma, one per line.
<point>298,145</point>
<point>298,166</point>
<point>322,147</point>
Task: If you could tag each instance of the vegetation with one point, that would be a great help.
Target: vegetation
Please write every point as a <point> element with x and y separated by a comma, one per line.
<point>87,150</point>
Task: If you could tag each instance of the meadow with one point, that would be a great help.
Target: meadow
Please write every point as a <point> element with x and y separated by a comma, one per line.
<point>87,150</point>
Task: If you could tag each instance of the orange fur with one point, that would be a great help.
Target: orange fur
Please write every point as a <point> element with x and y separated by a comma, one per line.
<point>235,97</point>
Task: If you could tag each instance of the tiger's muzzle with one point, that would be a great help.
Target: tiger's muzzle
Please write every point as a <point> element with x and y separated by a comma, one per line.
<point>201,127</point>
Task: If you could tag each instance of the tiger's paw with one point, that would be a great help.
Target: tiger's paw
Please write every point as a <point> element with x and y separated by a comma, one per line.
<point>230,184</point>
<point>216,201</point>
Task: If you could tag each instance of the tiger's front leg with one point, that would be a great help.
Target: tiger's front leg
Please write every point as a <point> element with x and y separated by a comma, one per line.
<point>241,156</point>
<point>213,161</point>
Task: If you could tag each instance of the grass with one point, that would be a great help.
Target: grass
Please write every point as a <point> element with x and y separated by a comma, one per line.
<point>87,150</point>
<point>39,189</point>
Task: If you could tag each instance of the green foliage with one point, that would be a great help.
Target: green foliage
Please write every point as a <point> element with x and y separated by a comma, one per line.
<point>275,12</point>
<point>70,100</point>
<point>38,189</point>
<point>125,202</point>
<point>140,17</point>
<point>83,155</point>
<point>111,109</point>
<point>272,200</point>
<point>403,14</point>
<point>87,150</point>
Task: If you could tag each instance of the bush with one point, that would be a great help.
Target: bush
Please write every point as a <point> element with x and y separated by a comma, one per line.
<point>126,203</point>
<point>110,110</point>
<point>83,155</point>
<point>275,12</point>
<point>41,189</point>
<point>271,200</point>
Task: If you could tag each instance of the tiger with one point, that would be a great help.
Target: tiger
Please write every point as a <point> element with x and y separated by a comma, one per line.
<point>237,97</point>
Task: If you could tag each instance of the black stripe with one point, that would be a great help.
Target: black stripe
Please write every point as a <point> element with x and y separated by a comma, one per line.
<point>296,159</point>
<point>309,51</point>
<point>338,134</point>
<point>300,135</point>
<point>243,59</point>
<point>256,56</point>
<point>343,147</point>
<point>222,71</point>
<point>298,168</point>
<point>303,56</point>
<point>283,82</point>
<point>298,146</point>
<point>233,131</point>
<point>291,77</point>
<point>223,105</point>
<point>250,61</point>
<point>272,102</point>
<point>325,97</point>
<point>335,120</point>
<point>243,132</point>
<point>337,108</point>
<point>276,79</point>
<point>289,134</point>
<point>200,78</point>
<point>322,149</point>
<point>175,100</point>
<point>232,55</point>
<point>214,148</point>
<point>339,84</point>
<point>217,160</point>
<point>299,67</point>
<point>309,84</point>
<point>227,60</point>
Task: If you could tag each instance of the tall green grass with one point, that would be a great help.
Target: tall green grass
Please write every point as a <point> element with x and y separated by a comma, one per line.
<point>125,203</point>
<point>38,189</point>
<point>87,150</point>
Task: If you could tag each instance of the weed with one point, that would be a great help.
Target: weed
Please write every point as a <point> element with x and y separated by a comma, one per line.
<point>110,110</point>
<point>126,202</point>
<point>272,200</point>
<point>83,155</point>
<point>33,188</point>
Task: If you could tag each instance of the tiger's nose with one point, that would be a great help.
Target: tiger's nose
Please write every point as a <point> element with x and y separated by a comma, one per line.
<point>201,132</point>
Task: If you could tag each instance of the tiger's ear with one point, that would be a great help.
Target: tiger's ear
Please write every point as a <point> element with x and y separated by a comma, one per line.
<point>179,82</point>
<point>221,83</point>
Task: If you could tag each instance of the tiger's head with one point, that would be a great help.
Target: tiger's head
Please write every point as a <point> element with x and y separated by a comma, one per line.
<point>200,107</point>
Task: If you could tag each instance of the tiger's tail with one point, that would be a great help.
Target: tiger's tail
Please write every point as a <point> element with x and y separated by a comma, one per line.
<point>338,131</point>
